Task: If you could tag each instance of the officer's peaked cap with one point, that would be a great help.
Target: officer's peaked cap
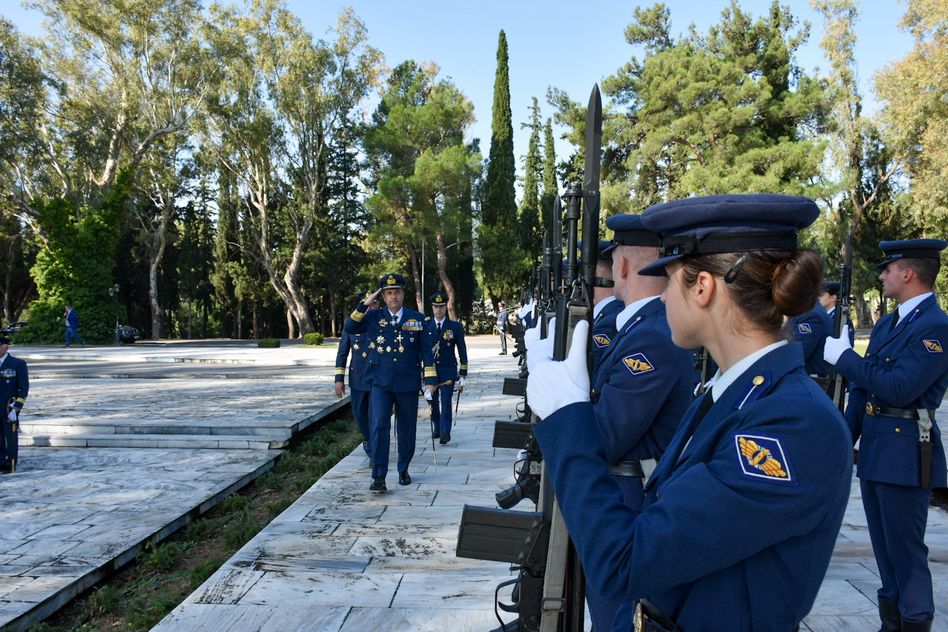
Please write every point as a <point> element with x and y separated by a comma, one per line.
<point>604,249</point>
<point>831,287</point>
<point>911,249</point>
<point>392,281</point>
<point>5,340</point>
<point>711,224</point>
<point>628,230</point>
<point>439,298</point>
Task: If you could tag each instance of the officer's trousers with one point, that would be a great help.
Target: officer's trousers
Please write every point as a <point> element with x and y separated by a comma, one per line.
<point>897,516</point>
<point>442,408</point>
<point>380,426</point>
<point>9,442</point>
<point>360,410</point>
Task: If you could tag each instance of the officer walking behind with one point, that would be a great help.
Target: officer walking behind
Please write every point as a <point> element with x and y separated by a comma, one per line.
<point>359,387</point>
<point>742,513</point>
<point>501,326</point>
<point>71,318</point>
<point>605,305</point>
<point>395,336</point>
<point>893,394</point>
<point>445,339</point>
<point>14,387</point>
<point>643,385</point>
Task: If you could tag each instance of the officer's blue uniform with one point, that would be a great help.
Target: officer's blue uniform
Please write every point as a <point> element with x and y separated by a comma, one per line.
<point>811,329</point>
<point>359,387</point>
<point>14,388</point>
<point>742,513</point>
<point>903,375</point>
<point>720,545</point>
<point>604,328</point>
<point>396,356</point>
<point>448,348</point>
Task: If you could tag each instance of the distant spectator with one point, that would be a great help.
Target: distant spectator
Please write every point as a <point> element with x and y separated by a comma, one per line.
<point>71,317</point>
<point>501,326</point>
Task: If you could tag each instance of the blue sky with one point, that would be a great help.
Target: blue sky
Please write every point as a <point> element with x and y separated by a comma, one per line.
<point>570,45</point>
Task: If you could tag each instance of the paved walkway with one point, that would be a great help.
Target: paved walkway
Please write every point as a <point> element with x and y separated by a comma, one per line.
<point>343,559</point>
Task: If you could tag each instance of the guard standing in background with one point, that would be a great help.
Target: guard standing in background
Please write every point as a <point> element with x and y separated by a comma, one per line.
<point>605,305</point>
<point>810,330</point>
<point>894,392</point>
<point>501,326</point>
<point>359,388</point>
<point>14,387</point>
<point>397,355</point>
<point>446,340</point>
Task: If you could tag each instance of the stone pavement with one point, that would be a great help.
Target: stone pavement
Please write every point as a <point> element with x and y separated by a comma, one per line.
<point>149,436</point>
<point>344,559</point>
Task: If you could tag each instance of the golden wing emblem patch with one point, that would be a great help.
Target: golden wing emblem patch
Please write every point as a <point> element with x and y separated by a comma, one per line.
<point>601,340</point>
<point>933,346</point>
<point>762,457</point>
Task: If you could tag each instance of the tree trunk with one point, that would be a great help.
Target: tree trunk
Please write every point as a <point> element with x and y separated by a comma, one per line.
<point>332,313</point>
<point>443,275</point>
<point>290,325</point>
<point>413,259</point>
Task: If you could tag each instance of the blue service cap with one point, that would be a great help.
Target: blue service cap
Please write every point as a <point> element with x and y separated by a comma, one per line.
<point>605,249</point>
<point>439,298</point>
<point>910,249</point>
<point>5,340</point>
<point>726,223</point>
<point>392,281</point>
<point>628,230</point>
<point>831,287</point>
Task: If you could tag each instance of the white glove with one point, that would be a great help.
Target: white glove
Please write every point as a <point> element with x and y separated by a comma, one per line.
<point>553,385</point>
<point>460,382</point>
<point>539,349</point>
<point>428,395</point>
<point>834,347</point>
<point>526,309</point>
<point>12,415</point>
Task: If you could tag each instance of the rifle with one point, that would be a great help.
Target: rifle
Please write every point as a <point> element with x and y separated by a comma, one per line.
<point>841,318</point>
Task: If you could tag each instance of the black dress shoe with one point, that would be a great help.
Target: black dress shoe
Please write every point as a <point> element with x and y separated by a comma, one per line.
<point>435,435</point>
<point>404,479</point>
<point>378,485</point>
<point>445,438</point>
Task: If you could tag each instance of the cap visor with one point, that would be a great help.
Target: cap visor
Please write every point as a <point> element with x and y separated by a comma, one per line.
<point>657,267</point>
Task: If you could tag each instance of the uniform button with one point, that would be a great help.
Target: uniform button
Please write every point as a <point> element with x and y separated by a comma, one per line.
<point>395,360</point>
<point>898,429</point>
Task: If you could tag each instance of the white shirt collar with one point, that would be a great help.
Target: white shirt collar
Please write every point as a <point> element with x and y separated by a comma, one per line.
<point>631,310</point>
<point>440,322</point>
<point>597,309</point>
<point>912,303</point>
<point>4,357</point>
<point>398,314</point>
<point>721,381</point>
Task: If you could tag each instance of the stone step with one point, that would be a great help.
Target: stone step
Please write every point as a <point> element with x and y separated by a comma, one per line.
<point>193,442</point>
<point>192,429</point>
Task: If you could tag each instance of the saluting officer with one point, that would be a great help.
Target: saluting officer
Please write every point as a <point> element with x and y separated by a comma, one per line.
<point>605,305</point>
<point>742,513</point>
<point>893,394</point>
<point>397,354</point>
<point>359,387</point>
<point>446,340</point>
<point>14,387</point>
<point>643,385</point>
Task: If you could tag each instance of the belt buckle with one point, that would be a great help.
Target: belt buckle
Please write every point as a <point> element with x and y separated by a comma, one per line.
<point>872,409</point>
<point>638,618</point>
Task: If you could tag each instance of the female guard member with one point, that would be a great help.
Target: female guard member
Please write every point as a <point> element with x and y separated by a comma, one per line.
<point>742,512</point>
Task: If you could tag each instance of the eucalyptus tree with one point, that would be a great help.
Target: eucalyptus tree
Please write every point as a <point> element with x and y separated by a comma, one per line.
<point>276,110</point>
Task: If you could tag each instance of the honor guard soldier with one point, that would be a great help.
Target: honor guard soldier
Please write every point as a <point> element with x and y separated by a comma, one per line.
<point>397,354</point>
<point>14,387</point>
<point>643,385</point>
<point>829,296</point>
<point>446,340</point>
<point>811,329</point>
<point>743,510</point>
<point>359,387</point>
<point>605,305</point>
<point>893,394</point>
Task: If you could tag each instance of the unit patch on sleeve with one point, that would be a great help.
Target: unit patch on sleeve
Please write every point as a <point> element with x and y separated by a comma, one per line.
<point>762,457</point>
<point>804,328</point>
<point>601,340</point>
<point>933,346</point>
<point>638,364</point>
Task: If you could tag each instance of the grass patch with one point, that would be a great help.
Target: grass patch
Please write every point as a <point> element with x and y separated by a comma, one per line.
<point>139,595</point>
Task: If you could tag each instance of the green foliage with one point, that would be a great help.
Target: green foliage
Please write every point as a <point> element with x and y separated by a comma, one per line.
<point>313,339</point>
<point>268,343</point>
<point>75,266</point>
<point>165,555</point>
<point>240,529</point>
<point>198,574</point>
<point>105,599</point>
<point>235,502</point>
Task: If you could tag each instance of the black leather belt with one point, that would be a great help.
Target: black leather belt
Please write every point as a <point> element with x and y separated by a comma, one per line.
<point>647,618</point>
<point>631,469</point>
<point>885,411</point>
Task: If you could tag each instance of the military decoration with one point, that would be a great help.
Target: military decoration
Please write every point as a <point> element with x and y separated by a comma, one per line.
<point>638,364</point>
<point>762,457</point>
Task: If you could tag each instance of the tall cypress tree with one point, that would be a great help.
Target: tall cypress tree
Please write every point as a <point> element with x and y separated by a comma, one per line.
<point>530,206</point>
<point>550,187</point>
<point>500,206</point>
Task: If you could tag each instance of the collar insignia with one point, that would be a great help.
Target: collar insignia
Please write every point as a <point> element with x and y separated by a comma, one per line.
<point>637,364</point>
<point>601,340</point>
<point>804,328</point>
<point>762,457</point>
<point>933,346</point>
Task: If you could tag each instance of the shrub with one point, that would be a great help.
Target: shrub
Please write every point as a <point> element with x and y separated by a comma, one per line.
<point>312,339</point>
<point>268,343</point>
